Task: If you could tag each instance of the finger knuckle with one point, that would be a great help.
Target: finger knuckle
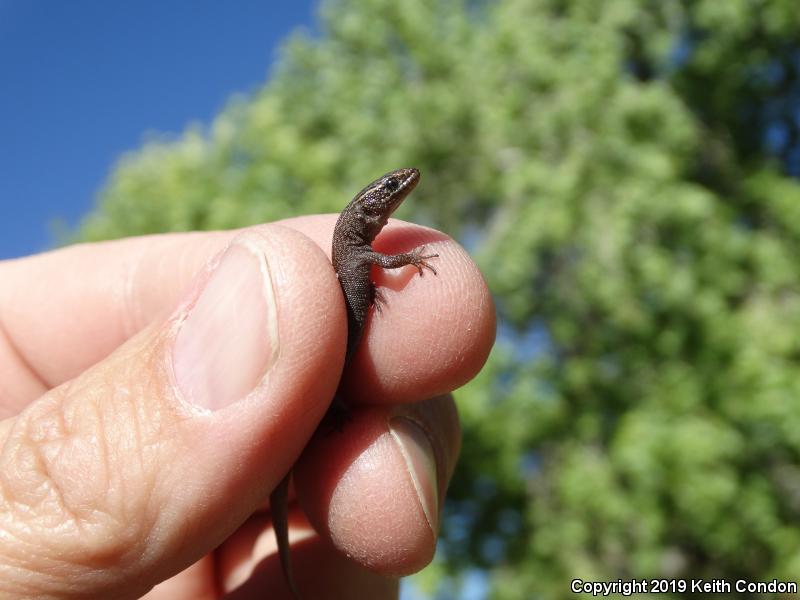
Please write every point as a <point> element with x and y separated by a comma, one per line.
<point>62,490</point>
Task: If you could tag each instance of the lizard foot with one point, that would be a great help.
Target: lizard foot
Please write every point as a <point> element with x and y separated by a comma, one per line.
<point>420,260</point>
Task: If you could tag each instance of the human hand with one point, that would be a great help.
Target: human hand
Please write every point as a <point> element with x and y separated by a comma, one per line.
<point>140,440</point>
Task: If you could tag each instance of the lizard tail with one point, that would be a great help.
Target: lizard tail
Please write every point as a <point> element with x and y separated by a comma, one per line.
<point>279,509</point>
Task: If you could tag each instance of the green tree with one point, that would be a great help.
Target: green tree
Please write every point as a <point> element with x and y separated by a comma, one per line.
<point>623,172</point>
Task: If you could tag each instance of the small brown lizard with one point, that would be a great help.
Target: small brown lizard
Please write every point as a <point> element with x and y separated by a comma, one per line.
<point>358,225</point>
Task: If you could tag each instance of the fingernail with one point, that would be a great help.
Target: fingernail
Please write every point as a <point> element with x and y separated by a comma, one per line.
<point>230,338</point>
<point>418,454</point>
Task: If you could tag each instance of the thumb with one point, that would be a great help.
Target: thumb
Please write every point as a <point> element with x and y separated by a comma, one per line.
<point>134,470</point>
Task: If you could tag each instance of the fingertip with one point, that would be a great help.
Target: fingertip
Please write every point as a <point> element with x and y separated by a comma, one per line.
<point>375,489</point>
<point>347,486</point>
<point>434,334</point>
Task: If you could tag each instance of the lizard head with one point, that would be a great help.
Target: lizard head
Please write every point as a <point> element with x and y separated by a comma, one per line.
<point>381,197</point>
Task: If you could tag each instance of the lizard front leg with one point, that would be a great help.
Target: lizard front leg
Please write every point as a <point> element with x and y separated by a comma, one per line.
<point>416,257</point>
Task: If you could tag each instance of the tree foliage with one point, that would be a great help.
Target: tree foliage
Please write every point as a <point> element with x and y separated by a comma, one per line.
<point>623,172</point>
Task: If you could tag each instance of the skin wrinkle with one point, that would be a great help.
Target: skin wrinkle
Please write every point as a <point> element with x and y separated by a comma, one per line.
<point>141,270</point>
<point>424,415</point>
<point>15,352</point>
<point>27,440</point>
<point>148,490</point>
<point>15,585</point>
<point>144,486</point>
<point>52,489</point>
<point>49,462</point>
<point>135,432</point>
<point>131,313</point>
<point>77,525</point>
<point>132,282</point>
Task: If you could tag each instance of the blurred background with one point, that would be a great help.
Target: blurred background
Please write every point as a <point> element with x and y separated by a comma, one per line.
<point>626,175</point>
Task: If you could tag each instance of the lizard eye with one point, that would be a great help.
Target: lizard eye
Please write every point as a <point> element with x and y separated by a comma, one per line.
<point>391,185</point>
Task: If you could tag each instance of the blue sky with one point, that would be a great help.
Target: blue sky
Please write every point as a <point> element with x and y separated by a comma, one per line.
<point>82,82</point>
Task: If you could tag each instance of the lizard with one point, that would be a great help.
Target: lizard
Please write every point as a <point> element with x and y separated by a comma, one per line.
<point>352,256</point>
